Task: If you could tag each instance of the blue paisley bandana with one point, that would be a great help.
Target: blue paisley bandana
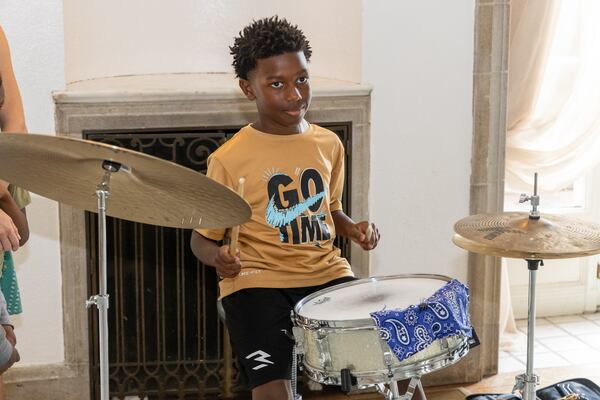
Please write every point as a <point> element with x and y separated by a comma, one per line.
<point>445,313</point>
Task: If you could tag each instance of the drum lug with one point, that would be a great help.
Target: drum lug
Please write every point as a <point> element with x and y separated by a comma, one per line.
<point>348,380</point>
<point>298,334</point>
<point>444,345</point>
<point>388,359</point>
<point>322,343</point>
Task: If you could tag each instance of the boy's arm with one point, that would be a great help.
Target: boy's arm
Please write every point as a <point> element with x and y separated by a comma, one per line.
<point>344,225</point>
<point>211,254</point>
<point>11,218</point>
<point>357,232</point>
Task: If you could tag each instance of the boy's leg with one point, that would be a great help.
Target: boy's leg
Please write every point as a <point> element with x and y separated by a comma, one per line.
<point>279,389</point>
<point>255,319</point>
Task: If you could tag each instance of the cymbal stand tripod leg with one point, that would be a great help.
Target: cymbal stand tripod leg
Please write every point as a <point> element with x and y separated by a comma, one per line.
<point>528,381</point>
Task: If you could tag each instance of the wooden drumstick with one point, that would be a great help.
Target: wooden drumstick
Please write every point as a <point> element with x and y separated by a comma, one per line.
<point>235,231</point>
<point>369,232</point>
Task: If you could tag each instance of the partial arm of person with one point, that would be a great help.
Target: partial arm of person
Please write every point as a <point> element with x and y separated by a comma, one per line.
<point>357,232</point>
<point>210,253</point>
<point>12,116</point>
<point>8,353</point>
<point>14,228</point>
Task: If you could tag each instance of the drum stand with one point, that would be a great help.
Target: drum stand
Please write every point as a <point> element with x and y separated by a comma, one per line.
<point>101,300</point>
<point>392,393</point>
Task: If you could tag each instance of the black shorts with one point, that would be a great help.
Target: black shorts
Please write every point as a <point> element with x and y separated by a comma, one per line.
<point>258,319</point>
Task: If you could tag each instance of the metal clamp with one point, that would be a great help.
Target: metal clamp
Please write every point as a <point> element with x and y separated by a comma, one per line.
<point>522,380</point>
<point>534,199</point>
<point>98,300</point>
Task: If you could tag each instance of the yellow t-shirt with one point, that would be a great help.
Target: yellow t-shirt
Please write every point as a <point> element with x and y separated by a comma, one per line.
<point>22,198</point>
<point>293,184</point>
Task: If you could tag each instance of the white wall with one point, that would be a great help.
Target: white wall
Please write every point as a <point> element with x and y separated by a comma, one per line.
<point>112,37</point>
<point>418,55</point>
<point>35,33</point>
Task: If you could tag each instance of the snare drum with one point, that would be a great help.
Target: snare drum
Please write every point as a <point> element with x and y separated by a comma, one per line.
<point>337,333</point>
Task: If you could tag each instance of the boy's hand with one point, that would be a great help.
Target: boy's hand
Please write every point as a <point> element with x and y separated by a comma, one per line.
<point>10,334</point>
<point>227,266</point>
<point>9,234</point>
<point>358,234</point>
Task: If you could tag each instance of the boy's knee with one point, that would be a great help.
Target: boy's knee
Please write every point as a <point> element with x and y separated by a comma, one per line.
<point>275,390</point>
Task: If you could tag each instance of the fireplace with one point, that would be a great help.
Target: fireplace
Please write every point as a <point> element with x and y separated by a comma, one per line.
<point>166,340</point>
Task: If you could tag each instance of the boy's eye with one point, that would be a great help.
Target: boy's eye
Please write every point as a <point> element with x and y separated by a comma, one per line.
<point>303,79</point>
<point>277,85</point>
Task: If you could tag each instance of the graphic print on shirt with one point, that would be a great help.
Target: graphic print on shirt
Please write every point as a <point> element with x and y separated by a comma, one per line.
<point>299,220</point>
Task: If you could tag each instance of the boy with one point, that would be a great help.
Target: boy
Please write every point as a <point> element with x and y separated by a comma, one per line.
<point>294,173</point>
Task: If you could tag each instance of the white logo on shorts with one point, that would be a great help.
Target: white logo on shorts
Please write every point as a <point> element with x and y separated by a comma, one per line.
<point>259,356</point>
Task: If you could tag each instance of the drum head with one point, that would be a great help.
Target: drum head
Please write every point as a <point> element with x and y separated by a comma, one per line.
<point>355,300</point>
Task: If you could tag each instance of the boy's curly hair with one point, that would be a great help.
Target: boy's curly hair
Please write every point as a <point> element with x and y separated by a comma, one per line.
<point>265,38</point>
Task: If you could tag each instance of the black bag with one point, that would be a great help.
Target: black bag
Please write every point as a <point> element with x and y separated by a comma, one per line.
<point>581,388</point>
<point>584,388</point>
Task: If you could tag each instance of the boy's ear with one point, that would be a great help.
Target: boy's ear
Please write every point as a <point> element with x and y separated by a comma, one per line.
<point>247,89</point>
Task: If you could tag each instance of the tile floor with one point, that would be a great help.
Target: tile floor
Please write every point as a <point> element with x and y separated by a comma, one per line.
<point>559,341</point>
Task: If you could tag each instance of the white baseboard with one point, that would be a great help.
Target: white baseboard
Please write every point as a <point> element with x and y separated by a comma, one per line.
<point>58,381</point>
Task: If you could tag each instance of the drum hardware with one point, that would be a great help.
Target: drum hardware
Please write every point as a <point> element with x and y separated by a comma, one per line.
<point>141,188</point>
<point>532,237</point>
<point>388,359</point>
<point>296,354</point>
<point>534,199</point>
<point>322,344</point>
<point>348,380</point>
<point>444,344</point>
<point>391,392</point>
<point>298,337</point>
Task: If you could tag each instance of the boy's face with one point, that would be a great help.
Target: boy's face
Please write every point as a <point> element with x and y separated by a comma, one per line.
<point>280,87</point>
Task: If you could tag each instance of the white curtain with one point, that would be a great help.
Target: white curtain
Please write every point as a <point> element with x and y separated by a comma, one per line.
<point>554,92</point>
<point>553,124</point>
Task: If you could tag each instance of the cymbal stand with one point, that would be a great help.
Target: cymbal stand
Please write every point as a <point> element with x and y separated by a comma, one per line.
<point>101,300</point>
<point>527,382</point>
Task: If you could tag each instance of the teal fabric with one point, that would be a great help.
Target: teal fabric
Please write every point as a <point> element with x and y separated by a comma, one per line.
<point>9,285</point>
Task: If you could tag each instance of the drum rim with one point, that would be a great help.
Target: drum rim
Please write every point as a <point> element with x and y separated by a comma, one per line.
<point>311,323</point>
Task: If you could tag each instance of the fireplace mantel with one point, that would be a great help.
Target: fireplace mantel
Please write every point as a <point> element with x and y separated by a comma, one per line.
<point>175,101</point>
<point>184,87</point>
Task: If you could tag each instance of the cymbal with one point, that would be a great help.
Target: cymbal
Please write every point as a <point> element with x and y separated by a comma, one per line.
<point>147,189</point>
<point>515,235</point>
